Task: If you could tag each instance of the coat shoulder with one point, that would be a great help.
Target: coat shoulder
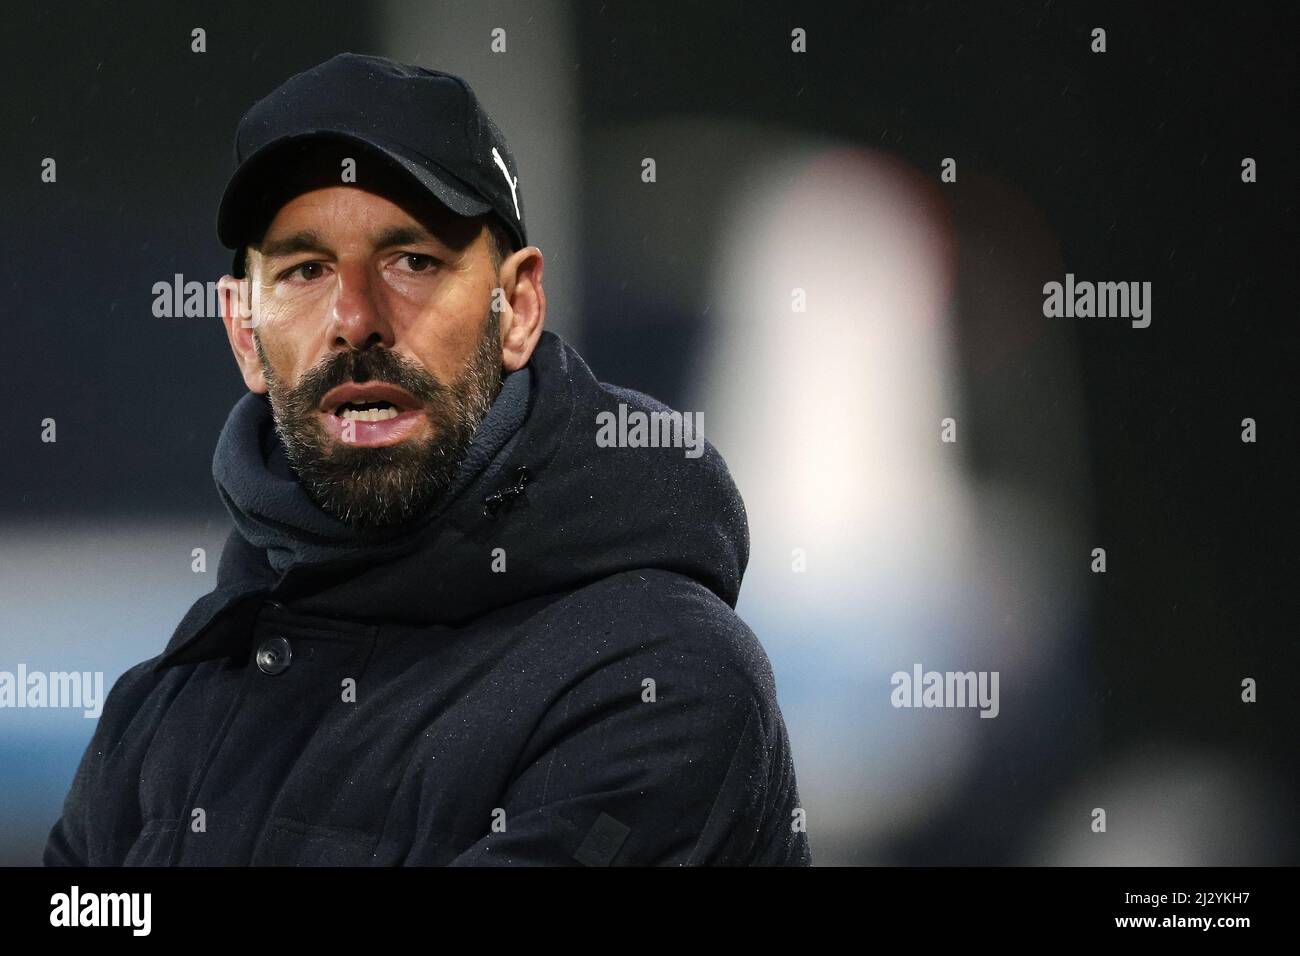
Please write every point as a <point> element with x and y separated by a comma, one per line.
<point>677,621</point>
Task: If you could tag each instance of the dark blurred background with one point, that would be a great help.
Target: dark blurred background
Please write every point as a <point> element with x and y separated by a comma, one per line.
<point>775,170</point>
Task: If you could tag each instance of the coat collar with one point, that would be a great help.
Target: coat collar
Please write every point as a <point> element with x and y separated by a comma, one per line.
<point>218,624</point>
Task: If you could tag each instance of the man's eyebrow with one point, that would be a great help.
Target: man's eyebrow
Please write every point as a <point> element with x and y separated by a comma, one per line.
<point>303,241</point>
<point>308,240</point>
<point>402,236</point>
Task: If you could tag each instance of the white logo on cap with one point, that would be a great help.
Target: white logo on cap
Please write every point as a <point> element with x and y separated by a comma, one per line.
<point>511,182</point>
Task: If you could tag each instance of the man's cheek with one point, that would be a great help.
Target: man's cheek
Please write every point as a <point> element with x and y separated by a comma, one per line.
<point>275,308</point>
<point>277,364</point>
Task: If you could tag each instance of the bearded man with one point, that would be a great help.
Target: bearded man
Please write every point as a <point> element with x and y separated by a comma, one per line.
<point>449,626</point>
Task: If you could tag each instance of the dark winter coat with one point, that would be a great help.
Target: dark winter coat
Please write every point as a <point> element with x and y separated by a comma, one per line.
<point>547,670</point>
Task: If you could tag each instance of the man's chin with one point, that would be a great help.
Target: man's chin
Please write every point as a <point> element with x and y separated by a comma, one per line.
<point>382,486</point>
<point>372,498</point>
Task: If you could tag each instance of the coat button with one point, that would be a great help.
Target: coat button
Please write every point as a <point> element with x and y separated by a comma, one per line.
<point>274,655</point>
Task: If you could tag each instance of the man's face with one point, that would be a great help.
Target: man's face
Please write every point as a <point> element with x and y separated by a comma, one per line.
<point>379,346</point>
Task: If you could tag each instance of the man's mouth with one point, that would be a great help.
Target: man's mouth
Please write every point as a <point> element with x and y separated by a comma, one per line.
<point>367,411</point>
<point>363,399</point>
<point>384,414</point>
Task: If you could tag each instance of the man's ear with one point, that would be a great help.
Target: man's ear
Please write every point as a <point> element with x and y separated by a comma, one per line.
<point>237,315</point>
<point>523,314</point>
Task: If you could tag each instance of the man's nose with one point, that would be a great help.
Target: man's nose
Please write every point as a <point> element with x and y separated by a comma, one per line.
<point>358,317</point>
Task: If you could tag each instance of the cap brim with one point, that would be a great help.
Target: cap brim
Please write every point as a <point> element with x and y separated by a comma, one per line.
<point>243,211</point>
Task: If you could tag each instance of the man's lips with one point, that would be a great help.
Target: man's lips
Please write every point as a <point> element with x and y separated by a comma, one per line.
<point>365,434</point>
<point>370,434</point>
<point>363,392</point>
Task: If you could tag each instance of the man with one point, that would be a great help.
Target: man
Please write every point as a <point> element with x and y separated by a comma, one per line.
<point>450,626</point>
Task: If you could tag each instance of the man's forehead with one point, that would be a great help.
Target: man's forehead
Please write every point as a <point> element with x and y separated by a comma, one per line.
<point>384,217</point>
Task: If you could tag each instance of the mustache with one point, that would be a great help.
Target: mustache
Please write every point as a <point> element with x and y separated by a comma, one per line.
<point>367,365</point>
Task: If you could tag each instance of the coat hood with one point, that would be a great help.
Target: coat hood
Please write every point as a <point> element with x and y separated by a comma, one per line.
<point>553,510</point>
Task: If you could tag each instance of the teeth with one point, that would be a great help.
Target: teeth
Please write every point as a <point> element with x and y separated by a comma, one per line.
<point>369,414</point>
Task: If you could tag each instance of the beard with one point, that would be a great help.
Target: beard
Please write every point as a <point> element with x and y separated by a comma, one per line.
<point>369,488</point>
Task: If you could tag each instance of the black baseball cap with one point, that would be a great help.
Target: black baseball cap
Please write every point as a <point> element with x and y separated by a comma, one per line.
<point>426,125</point>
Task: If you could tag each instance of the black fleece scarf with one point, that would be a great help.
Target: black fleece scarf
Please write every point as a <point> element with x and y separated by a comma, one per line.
<point>272,510</point>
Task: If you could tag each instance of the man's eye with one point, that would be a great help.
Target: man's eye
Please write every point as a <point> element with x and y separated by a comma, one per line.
<point>303,271</point>
<point>417,262</point>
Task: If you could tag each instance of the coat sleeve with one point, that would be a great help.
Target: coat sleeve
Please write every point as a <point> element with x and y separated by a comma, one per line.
<point>699,773</point>
<point>66,844</point>
<point>88,810</point>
